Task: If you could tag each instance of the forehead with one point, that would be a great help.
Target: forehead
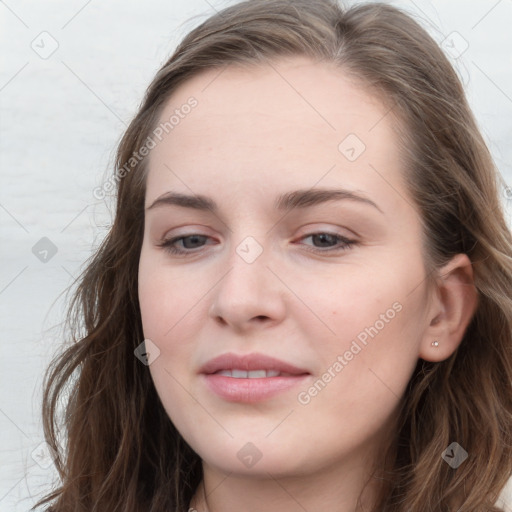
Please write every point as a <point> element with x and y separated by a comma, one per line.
<point>292,120</point>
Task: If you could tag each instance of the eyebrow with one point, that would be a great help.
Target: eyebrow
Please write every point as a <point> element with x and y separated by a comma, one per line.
<point>285,202</point>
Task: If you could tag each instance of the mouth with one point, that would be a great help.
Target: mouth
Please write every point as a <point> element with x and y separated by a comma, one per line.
<point>251,377</point>
<point>252,366</point>
<point>253,374</point>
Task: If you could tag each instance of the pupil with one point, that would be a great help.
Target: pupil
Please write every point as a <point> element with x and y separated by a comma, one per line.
<point>196,240</point>
<point>324,237</point>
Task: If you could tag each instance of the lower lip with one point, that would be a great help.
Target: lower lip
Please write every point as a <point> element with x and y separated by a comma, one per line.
<point>233,389</point>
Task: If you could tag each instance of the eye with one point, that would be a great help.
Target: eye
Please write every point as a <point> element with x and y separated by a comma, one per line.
<point>322,242</point>
<point>325,242</point>
<point>188,243</point>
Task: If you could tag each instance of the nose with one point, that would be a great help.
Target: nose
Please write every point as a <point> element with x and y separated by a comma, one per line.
<point>249,295</point>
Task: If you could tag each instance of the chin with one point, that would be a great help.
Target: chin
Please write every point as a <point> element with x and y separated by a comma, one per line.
<point>257,458</point>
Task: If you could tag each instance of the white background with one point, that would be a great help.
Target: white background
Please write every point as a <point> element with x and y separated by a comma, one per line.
<point>61,119</point>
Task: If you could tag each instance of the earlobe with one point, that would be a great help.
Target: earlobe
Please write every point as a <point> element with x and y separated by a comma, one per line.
<point>452,309</point>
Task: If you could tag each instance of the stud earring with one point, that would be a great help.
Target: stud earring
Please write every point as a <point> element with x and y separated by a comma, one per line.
<point>435,343</point>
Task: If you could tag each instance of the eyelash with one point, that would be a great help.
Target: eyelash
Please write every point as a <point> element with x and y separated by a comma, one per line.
<point>168,245</point>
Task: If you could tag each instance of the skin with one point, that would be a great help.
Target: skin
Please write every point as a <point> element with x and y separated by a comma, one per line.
<point>255,134</point>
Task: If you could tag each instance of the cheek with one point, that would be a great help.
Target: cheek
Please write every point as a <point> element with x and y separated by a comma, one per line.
<point>173,308</point>
<point>171,321</point>
<point>368,328</point>
<point>342,304</point>
<point>168,298</point>
<point>364,372</point>
<point>170,311</point>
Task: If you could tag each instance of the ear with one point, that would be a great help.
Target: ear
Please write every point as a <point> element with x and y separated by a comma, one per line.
<point>452,307</point>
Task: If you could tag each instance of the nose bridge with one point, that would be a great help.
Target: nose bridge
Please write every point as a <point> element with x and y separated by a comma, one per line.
<point>248,289</point>
<point>247,263</point>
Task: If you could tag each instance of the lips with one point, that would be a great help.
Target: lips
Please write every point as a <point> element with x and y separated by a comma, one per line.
<point>250,366</point>
<point>250,378</point>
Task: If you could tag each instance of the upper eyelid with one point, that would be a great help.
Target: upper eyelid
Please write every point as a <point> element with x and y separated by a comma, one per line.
<point>308,227</point>
<point>303,235</point>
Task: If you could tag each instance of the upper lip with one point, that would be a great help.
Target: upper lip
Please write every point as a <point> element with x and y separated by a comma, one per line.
<point>249,362</point>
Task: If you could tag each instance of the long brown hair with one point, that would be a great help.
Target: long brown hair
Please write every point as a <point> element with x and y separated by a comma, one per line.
<point>121,452</point>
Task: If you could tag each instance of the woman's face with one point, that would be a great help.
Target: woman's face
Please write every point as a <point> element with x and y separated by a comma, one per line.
<point>304,248</point>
